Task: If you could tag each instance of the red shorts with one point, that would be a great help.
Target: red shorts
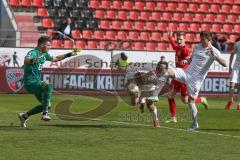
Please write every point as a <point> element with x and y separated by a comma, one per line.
<point>177,86</point>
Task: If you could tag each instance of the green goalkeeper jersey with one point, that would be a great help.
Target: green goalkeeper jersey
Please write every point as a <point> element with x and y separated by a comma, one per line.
<point>32,71</point>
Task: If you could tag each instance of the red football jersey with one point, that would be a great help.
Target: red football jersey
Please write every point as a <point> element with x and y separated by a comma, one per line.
<point>182,52</point>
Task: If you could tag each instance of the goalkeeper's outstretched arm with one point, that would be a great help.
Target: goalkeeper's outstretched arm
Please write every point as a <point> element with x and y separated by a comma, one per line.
<point>70,54</point>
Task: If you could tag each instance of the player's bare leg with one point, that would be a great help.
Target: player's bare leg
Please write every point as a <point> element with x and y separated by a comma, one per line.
<point>153,109</point>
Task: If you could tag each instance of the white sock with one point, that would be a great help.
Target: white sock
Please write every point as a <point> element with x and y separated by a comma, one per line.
<point>193,112</point>
<point>154,114</point>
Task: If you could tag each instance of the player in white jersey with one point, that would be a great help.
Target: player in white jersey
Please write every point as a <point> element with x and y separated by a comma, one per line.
<point>235,71</point>
<point>203,56</point>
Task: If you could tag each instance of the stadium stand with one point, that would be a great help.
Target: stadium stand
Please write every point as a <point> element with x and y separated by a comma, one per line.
<point>143,22</point>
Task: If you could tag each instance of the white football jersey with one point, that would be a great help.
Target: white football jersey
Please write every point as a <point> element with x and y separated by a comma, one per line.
<point>236,50</point>
<point>202,60</point>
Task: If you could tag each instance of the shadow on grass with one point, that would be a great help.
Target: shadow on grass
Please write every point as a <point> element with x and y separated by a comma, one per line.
<point>221,129</point>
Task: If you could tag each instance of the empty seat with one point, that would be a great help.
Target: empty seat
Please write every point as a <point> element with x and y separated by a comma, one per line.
<point>99,14</point>
<point>42,12</point>
<point>166,16</point>
<point>144,16</point>
<point>92,45</point>
<point>227,28</point>
<point>155,16</point>
<point>105,4</point>
<point>226,9</point>
<point>82,4</point>
<point>116,25</point>
<point>236,28</point>
<point>111,14</point>
<point>116,4</point>
<point>161,6</point>
<point>231,18</point>
<point>172,26</point>
<point>80,44</point>
<point>145,36</point>
<point>204,8</point>
<point>182,7</point>
<point>229,1</point>
<point>210,18</point>
<point>63,13</point>
<point>208,1</point>
<point>47,23</point>
<point>127,25</point>
<point>205,27</point>
<point>48,3</point>
<point>26,3</point>
<point>68,44</point>
<point>220,18</point>
<point>86,13</point>
<point>139,25</point>
<point>133,15</point>
<point>138,46</point>
<point>132,35</point>
<point>199,17</point>
<point>104,24</point>
<point>193,7</point>
<point>121,35</point>
<point>57,23</point>
<point>194,27</point>
<point>92,24</point>
<point>139,5</point>
<point>87,34</point>
<point>155,36</point>
<point>14,3</point>
<point>150,6</point>
<point>177,17</point>
<point>122,15</point>
<point>214,8</point>
<point>76,34</point>
<point>216,28</point>
<point>188,17</point>
<point>150,26</point>
<point>220,1</point>
<point>98,34</point>
<point>103,44</point>
<point>80,24</point>
<point>94,4</point>
<point>56,43</point>
<point>110,35</point>
<point>171,6</point>
<point>161,26</point>
<point>70,3</point>
<point>190,37</point>
<point>75,13</point>
<point>151,46</point>
<point>128,5</point>
<point>164,37</point>
<point>236,9</point>
<point>37,3</point>
<point>183,27</point>
<point>162,46</point>
<point>233,38</point>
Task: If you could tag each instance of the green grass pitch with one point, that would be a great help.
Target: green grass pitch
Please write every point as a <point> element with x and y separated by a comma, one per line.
<point>122,133</point>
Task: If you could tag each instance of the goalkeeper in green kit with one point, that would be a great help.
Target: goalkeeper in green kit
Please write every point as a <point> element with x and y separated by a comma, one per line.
<point>33,63</point>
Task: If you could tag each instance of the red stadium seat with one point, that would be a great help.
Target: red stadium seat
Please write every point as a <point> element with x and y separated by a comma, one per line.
<point>193,7</point>
<point>150,6</point>
<point>116,25</point>
<point>47,23</point>
<point>161,26</point>
<point>164,37</point>
<point>81,44</point>
<point>220,1</point>
<point>236,28</point>
<point>172,26</point>
<point>204,8</point>
<point>220,18</point>
<point>216,28</point>
<point>162,46</point>
<point>76,34</point>
<point>116,4</point>
<point>56,43</point>
<point>205,27</point>
<point>144,16</point>
<point>128,5</point>
<point>67,44</point>
<point>87,34</point>
<point>226,9</point>
<point>138,46</point>
<point>121,35</point>
<point>155,16</point>
<point>177,17</point>
<point>231,18</point>
<point>110,35</point>
<point>94,4</point>
<point>194,27</point>
<point>151,46</point>
<point>104,24</point>
<point>127,25</point>
<point>182,7</point>
<point>105,4</point>
<point>111,14</point>
<point>103,44</point>
<point>27,3</point>
<point>133,15</point>
<point>229,2</point>
<point>132,35</point>
<point>166,16</point>
<point>155,36</point>
<point>171,6</point>
<point>161,6</point>
<point>208,1</point>
<point>227,28</point>
<point>99,34</point>
<point>233,38</point>
<point>199,17</point>
<point>92,45</point>
<point>139,25</point>
<point>188,17</point>
<point>214,8</point>
<point>139,5</point>
<point>236,9</point>
<point>42,12</point>
<point>145,36</point>
<point>190,37</point>
<point>122,15</point>
<point>150,26</point>
<point>37,3</point>
<point>210,18</point>
<point>14,3</point>
<point>99,14</point>
<point>183,27</point>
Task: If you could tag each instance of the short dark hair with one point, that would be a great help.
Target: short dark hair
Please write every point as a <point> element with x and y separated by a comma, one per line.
<point>124,56</point>
<point>43,39</point>
<point>206,34</point>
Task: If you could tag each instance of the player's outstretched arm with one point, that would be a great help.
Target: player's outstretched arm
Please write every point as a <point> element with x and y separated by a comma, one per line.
<point>217,57</point>
<point>70,54</point>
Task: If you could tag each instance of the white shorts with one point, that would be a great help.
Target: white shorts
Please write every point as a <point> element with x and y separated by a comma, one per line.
<point>193,83</point>
<point>235,77</point>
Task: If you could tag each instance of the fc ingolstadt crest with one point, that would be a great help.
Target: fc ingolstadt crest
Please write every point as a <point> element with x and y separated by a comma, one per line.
<point>14,78</point>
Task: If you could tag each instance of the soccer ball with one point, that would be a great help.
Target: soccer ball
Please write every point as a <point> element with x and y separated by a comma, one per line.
<point>133,88</point>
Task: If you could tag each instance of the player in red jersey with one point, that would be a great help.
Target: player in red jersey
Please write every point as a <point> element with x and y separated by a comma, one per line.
<point>182,57</point>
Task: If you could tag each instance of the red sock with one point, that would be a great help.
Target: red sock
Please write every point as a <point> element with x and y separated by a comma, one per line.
<point>172,107</point>
<point>198,100</point>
